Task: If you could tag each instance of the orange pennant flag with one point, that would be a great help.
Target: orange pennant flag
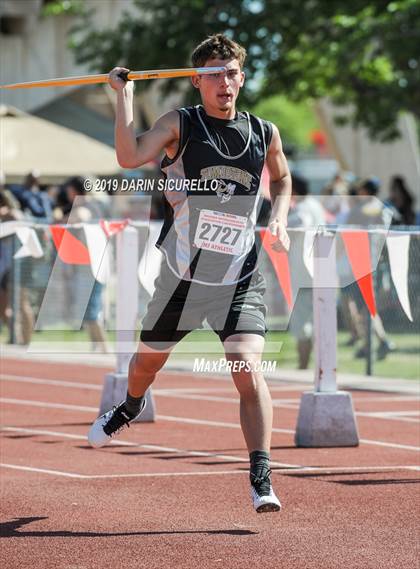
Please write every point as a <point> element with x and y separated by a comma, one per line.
<point>280,263</point>
<point>111,228</point>
<point>358,253</point>
<point>69,248</point>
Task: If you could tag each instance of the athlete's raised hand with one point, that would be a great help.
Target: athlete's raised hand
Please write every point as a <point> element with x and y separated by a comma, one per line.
<point>116,81</point>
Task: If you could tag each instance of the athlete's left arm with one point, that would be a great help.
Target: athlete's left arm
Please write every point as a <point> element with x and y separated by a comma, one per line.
<point>280,191</point>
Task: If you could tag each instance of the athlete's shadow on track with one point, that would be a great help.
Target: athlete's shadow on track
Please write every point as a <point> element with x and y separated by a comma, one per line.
<point>10,529</point>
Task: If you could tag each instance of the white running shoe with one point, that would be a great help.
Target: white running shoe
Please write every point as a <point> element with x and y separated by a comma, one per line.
<point>262,494</point>
<point>110,424</point>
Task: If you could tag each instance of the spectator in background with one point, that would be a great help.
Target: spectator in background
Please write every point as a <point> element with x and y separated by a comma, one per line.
<point>367,209</point>
<point>32,198</point>
<point>9,206</point>
<point>401,202</point>
<point>80,207</point>
<point>10,211</point>
<point>334,198</point>
<point>306,212</point>
<point>366,212</point>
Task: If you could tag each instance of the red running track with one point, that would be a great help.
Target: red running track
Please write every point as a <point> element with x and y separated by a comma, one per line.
<point>174,494</point>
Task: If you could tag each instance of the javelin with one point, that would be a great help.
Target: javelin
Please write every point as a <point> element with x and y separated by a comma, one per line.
<point>130,75</point>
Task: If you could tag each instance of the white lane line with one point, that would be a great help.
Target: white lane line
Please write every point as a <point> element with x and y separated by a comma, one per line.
<point>41,470</point>
<point>134,475</point>
<point>273,385</point>
<point>59,434</point>
<point>67,407</point>
<point>405,412</point>
<point>306,470</point>
<point>157,391</point>
<point>203,390</point>
<point>14,401</point>
<point>395,413</point>
<point>275,430</point>
<point>213,423</point>
<point>287,404</point>
<point>215,398</point>
<point>45,404</point>
<point>391,416</point>
<point>193,393</point>
<point>158,448</point>
<point>389,445</point>
<point>385,398</point>
<point>55,382</point>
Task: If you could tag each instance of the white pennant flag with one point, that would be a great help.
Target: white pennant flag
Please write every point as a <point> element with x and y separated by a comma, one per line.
<point>149,266</point>
<point>9,227</point>
<point>31,247</point>
<point>398,247</point>
<point>308,251</point>
<point>97,244</point>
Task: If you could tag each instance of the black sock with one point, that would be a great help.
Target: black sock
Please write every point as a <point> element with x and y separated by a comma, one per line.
<point>260,463</point>
<point>133,404</point>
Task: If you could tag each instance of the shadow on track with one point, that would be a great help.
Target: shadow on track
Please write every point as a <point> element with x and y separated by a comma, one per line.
<point>11,529</point>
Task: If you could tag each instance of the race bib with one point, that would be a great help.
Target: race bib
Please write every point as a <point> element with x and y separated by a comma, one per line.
<point>220,232</point>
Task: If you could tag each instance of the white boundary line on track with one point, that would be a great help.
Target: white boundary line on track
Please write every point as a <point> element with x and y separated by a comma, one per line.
<point>275,430</point>
<point>279,467</point>
<point>68,407</point>
<point>194,394</point>
<point>309,470</point>
<point>99,387</point>
<point>406,416</point>
<point>274,386</point>
<point>55,382</point>
<point>158,448</point>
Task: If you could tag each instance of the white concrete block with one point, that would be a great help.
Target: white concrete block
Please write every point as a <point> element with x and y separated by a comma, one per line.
<point>326,420</point>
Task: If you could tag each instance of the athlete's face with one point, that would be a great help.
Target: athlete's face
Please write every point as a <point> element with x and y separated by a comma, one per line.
<point>220,91</point>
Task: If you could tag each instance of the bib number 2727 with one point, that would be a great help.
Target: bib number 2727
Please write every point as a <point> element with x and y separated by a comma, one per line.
<point>220,232</point>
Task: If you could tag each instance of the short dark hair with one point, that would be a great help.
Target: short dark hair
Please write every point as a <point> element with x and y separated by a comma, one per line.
<point>217,46</point>
<point>299,186</point>
<point>78,183</point>
<point>371,185</point>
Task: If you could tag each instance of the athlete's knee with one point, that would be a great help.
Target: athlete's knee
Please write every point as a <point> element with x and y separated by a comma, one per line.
<point>248,384</point>
<point>246,374</point>
<point>146,363</point>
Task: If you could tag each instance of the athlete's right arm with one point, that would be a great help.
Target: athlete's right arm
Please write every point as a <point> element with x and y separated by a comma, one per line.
<point>133,151</point>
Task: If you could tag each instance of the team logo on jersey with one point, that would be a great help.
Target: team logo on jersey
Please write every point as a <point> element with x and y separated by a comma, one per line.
<point>226,190</point>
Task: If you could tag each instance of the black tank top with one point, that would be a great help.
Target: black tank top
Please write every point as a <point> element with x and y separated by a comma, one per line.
<point>208,234</point>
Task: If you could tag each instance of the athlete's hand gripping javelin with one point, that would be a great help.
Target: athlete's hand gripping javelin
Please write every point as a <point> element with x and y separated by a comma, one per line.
<point>117,82</point>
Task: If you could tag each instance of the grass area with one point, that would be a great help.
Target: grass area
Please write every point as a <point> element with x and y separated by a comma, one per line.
<point>403,363</point>
<point>280,346</point>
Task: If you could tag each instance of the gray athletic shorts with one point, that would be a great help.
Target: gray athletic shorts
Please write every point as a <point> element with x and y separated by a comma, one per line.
<point>180,306</point>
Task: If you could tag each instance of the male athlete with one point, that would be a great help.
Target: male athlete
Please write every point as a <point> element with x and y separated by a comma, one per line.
<point>209,269</point>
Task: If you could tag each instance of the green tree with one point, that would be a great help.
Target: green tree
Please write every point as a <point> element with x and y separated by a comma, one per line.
<point>362,54</point>
<point>296,121</point>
